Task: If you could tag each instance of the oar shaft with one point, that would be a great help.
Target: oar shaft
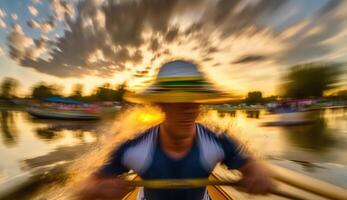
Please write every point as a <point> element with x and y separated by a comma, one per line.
<point>178,183</point>
<point>193,183</point>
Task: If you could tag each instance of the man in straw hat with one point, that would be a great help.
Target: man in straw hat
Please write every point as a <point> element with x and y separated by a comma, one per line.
<point>178,148</point>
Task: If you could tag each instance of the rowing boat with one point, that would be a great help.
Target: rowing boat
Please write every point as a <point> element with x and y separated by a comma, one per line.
<point>45,113</point>
<point>289,185</point>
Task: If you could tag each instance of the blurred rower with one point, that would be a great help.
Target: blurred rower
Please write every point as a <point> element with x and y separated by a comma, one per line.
<point>177,148</point>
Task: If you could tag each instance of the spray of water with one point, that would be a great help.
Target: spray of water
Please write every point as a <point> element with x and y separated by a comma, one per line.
<point>127,125</point>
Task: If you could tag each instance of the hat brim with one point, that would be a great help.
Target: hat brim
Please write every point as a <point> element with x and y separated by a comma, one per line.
<point>180,97</point>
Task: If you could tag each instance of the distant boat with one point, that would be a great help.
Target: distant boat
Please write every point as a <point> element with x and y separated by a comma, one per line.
<point>64,108</point>
<point>290,105</point>
<point>290,112</point>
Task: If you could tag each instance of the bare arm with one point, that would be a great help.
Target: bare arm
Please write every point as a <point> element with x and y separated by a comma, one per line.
<point>256,177</point>
<point>96,187</point>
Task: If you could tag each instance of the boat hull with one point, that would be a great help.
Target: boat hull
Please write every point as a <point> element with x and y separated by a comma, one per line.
<point>57,114</point>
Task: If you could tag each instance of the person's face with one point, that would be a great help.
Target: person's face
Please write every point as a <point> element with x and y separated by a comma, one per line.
<point>180,116</point>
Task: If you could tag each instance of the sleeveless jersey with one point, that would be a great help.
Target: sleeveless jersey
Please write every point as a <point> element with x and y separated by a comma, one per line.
<point>145,156</point>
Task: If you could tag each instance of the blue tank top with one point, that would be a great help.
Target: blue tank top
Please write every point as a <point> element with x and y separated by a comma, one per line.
<point>145,156</point>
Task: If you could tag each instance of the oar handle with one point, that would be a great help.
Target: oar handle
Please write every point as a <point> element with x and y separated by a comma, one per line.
<point>194,183</point>
<point>178,183</point>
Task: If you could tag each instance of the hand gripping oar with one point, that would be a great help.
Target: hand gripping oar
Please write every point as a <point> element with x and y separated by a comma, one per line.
<point>194,183</point>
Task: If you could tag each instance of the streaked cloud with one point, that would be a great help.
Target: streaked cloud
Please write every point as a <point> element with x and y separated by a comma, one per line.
<point>2,52</point>
<point>2,13</point>
<point>44,27</point>
<point>106,37</point>
<point>14,16</point>
<point>2,24</point>
<point>249,58</point>
<point>19,43</point>
<point>33,10</point>
<point>61,9</point>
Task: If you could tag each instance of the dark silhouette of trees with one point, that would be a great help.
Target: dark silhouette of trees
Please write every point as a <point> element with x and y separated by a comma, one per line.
<point>42,91</point>
<point>106,93</point>
<point>255,97</point>
<point>8,88</point>
<point>77,91</point>
<point>311,79</point>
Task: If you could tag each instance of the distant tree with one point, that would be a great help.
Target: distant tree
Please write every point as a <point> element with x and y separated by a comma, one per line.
<point>8,88</point>
<point>77,91</point>
<point>310,80</point>
<point>106,93</point>
<point>270,99</point>
<point>342,93</point>
<point>120,92</point>
<point>255,97</point>
<point>44,91</point>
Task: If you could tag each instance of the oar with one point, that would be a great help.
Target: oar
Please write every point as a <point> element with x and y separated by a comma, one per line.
<point>194,183</point>
<point>307,183</point>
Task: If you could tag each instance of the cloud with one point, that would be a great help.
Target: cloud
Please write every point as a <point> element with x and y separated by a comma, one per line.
<point>33,24</point>
<point>62,9</point>
<point>211,50</point>
<point>36,51</point>
<point>2,24</point>
<point>103,37</point>
<point>24,48</point>
<point>33,11</point>
<point>137,57</point>
<point>249,58</point>
<point>171,34</point>
<point>2,52</point>
<point>14,16</point>
<point>154,44</point>
<point>44,27</point>
<point>308,45</point>
<point>2,13</point>
<point>19,43</point>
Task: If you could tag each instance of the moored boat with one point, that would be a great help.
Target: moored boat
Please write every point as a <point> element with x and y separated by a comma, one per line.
<point>290,112</point>
<point>45,113</point>
<point>64,108</point>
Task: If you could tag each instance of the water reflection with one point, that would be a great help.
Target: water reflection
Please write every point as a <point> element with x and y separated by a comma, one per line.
<point>253,113</point>
<point>227,113</point>
<point>55,129</point>
<point>8,129</point>
<point>232,113</point>
<point>47,134</point>
<point>43,141</point>
<point>56,141</point>
<point>316,137</point>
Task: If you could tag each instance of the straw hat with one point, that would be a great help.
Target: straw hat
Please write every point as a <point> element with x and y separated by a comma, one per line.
<point>179,82</point>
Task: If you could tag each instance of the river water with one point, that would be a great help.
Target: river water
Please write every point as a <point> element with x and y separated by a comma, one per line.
<point>318,149</point>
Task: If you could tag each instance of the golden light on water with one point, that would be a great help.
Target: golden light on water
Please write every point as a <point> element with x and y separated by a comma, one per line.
<point>127,125</point>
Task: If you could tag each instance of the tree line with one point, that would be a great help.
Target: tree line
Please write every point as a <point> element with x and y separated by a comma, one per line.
<point>310,80</point>
<point>42,90</point>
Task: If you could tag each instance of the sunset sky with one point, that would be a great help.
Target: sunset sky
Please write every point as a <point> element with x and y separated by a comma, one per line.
<point>240,45</point>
